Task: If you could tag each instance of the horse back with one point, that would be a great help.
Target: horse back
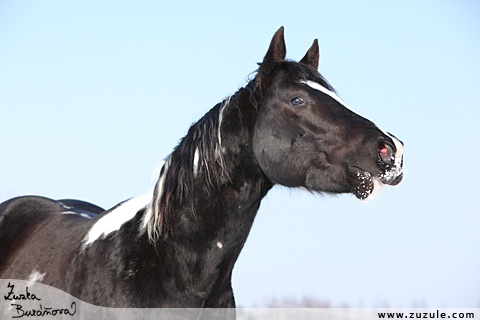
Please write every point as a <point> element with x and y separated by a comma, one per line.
<point>29,235</point>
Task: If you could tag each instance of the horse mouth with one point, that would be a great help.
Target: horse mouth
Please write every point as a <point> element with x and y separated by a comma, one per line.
<point>395,178</point>
<point>366,186</point>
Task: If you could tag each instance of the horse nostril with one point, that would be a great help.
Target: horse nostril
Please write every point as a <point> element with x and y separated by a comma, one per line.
<point>386,153</point>
<point>383,149</point>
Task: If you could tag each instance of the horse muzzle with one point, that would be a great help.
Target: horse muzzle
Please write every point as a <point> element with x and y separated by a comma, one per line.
<point>366,186</point>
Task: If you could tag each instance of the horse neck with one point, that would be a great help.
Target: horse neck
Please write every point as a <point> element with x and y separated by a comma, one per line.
<point>205,200</point>
<point>211,185</point>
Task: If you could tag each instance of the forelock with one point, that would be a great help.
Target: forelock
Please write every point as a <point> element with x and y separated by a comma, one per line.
<point>301,72</point>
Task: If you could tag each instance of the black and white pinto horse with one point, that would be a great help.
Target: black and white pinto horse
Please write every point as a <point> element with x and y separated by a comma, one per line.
<point>176,246</point>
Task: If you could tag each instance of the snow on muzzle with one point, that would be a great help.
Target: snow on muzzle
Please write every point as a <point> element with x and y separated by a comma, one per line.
<point>366,186</point>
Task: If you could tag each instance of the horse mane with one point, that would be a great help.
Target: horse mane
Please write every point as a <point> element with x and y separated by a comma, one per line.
<point>198,155</point>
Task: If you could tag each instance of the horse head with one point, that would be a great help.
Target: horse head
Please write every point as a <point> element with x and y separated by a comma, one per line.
<point>306,136</point>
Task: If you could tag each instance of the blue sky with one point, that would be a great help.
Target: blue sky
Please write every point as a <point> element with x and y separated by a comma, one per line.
<point>94,94</point>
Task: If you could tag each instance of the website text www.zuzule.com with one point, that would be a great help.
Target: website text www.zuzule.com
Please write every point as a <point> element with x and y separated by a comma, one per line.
<point>426,315</point>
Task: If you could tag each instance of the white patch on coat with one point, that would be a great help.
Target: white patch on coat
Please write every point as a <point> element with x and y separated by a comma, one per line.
<point>83,215</point>
<point>113,220</point>
<point>64,205</point>
<point>35,276</point>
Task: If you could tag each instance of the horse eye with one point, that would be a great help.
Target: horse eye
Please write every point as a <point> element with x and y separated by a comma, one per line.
<point>298,101</point>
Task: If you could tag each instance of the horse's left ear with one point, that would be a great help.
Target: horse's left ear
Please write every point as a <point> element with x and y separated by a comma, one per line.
<point>276,52</point>
<point>312,56</point>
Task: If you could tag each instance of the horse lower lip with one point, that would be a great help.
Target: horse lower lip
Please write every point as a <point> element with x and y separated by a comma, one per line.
<point>391,177</point>
<point>361,181</point>
<point>397,180</point>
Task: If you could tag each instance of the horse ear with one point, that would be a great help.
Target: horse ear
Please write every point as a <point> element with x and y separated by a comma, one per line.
<point>276,52</point>
<point>312,56</point>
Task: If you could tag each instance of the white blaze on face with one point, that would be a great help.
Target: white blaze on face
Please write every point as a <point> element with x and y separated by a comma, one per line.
<point>396,170</point>
<point>319,87</point>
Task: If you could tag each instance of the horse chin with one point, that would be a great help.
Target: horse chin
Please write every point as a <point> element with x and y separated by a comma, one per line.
<point>365,186</point>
